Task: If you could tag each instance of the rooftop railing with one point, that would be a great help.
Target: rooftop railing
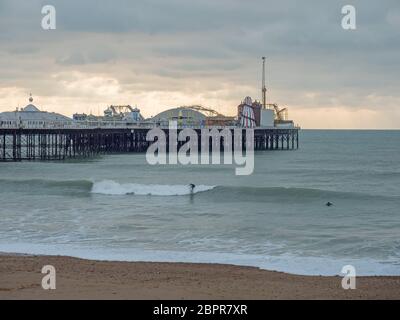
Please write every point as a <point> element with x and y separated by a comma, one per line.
<point>107,125</point>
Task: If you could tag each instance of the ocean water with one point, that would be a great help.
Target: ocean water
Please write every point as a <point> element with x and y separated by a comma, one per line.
<point>118,207</point>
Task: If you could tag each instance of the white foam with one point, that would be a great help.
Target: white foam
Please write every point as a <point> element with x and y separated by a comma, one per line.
<point>326,266</point>
<point>110,187</point>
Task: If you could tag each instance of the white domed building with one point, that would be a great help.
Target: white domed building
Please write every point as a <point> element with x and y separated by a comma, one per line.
<point>183,115</point>
<point>31,117</point>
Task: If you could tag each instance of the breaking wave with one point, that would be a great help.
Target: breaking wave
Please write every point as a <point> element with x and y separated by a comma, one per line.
<point>110,187</point>
<point>220,193</point>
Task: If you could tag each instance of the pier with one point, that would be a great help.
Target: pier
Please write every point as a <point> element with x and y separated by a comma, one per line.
<point>30,133</point>
<point>18,144</point>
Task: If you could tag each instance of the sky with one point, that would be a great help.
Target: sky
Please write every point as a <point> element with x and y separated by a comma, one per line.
<point>158,54</point>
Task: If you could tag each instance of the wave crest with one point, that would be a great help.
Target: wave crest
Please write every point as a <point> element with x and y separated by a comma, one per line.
<point>110,187</point>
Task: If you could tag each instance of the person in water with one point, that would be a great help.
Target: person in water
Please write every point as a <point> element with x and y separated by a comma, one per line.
<point>328,204</point>
<point>192,186</point>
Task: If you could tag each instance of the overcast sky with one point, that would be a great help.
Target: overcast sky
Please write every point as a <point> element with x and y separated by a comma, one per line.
<point>159,54</point>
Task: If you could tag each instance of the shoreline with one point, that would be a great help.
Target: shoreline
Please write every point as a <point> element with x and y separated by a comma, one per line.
<point>294,265</point>
<point>20,278</point>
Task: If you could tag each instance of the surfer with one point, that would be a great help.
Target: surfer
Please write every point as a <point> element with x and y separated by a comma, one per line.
<point>192,186</point>
<point>328,204</point>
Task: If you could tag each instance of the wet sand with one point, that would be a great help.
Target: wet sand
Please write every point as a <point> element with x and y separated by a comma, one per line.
<point>21,277</point>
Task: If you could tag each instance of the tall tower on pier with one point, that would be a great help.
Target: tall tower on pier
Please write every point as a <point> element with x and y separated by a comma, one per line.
<point>264,88</point>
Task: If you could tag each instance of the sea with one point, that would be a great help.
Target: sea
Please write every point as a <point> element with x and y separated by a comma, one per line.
<point>118,207</point>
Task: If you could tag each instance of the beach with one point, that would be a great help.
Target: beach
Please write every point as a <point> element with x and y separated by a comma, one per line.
<point>21,277</point>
